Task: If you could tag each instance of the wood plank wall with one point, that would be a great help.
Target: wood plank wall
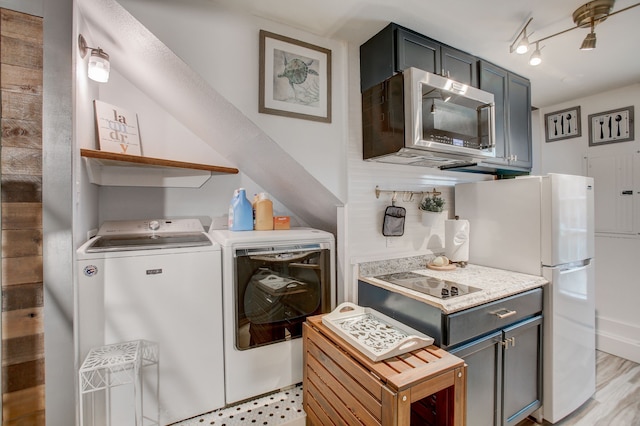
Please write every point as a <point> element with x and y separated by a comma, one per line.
<point>23,401</point>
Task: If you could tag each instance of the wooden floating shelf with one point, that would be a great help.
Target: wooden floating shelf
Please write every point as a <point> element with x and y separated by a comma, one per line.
<point>113,169</point>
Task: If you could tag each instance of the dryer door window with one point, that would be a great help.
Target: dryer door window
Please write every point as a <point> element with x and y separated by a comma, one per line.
<point>276,292</point>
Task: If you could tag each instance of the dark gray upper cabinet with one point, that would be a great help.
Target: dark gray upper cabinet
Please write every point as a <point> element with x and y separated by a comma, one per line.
<point>513,115</point>
<point>459,66</point>
<point>396,48</point>
<point>416,51</point>
<point>519,124</point>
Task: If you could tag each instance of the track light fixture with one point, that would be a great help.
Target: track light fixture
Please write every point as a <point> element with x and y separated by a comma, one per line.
<point>521,44</point>
<point>98,67</point>
<point>536,58</point>
<point>586,16</point>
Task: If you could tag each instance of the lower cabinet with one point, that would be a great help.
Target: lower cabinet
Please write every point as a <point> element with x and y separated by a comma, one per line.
<point>500,341</point>
<point>504,371</point>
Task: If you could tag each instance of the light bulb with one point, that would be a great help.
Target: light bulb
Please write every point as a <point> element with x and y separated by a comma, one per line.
<point>536,58</point>
<point>99,67</point>
<point>523,45</point>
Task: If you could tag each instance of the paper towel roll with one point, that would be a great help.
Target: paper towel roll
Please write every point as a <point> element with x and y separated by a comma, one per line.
<point>456,240</point>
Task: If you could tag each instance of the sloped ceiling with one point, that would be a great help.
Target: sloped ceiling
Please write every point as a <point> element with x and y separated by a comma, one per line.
<point>148,64</point>
<point>484,28</point>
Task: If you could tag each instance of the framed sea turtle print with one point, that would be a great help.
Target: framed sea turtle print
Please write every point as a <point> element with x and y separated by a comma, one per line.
<point>295,78</point>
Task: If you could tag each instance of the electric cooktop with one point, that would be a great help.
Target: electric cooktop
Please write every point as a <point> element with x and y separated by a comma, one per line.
<point>435,287</point>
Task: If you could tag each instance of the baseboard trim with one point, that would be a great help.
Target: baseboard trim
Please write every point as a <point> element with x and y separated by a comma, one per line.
<point>618,345</point>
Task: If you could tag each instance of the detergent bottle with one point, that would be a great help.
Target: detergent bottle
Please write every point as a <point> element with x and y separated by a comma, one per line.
<point>264,213</point>
<point>240,212</point>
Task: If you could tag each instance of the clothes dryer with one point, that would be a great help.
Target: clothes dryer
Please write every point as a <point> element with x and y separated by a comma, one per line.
<point>272,280</point>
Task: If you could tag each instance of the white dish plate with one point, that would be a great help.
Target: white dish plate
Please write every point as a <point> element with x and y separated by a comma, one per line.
<point>373,333</point>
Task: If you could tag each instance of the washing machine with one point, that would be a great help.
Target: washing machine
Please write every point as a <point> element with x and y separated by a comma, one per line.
<point>157,280</point>
<point>272,280</point>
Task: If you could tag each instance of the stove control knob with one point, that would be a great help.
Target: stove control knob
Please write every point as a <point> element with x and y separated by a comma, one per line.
<point>154,225</point>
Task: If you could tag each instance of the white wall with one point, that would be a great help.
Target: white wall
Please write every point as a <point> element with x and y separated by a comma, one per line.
<point>616,258</point>
<point>222,46</point>
<point>162,136</point>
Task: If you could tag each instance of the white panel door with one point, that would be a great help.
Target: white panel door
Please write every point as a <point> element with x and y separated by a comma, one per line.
<point>614,193</point>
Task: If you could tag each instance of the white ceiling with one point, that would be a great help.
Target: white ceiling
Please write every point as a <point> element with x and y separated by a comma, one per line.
<point>485,28</point>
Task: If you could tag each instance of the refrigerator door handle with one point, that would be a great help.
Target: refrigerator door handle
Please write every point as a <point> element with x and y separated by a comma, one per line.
<point>574,267</point>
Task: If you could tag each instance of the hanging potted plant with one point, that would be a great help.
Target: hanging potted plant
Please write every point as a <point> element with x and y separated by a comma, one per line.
<point>432,208</point>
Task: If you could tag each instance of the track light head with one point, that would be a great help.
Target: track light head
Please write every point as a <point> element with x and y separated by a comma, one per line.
<point>536,57</point>
<point>523,45</point>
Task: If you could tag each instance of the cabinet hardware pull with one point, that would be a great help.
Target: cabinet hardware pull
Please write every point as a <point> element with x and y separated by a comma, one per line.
<point>627,192</point>
<point>508,340</point>
<point>504,313</point>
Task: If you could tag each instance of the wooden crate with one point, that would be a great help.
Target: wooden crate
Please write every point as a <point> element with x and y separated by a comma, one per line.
<point>344,387</point>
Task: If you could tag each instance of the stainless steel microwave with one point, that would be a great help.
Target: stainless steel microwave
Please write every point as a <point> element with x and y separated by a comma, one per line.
<point>425,119</point>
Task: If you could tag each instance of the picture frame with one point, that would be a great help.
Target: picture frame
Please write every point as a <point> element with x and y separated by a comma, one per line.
<point>611,126</point>
<point>295,78</point>
<point>117,129</point>
<point>563,124</point>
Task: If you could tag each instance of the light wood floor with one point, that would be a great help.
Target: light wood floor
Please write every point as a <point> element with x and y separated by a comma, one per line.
<point>617,397</point>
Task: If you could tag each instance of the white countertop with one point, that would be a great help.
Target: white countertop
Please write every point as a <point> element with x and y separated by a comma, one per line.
<point>495,284</point>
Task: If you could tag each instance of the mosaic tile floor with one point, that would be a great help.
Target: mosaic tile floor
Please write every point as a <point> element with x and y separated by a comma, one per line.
<point>281,408</point>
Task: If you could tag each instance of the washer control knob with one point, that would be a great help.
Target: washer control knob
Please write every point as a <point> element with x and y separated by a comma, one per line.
<point>154,225</point>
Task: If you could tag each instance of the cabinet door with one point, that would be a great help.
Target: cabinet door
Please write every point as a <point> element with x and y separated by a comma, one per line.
<point>522,370</point>
<point>494,80</point>
<point>417,51</point>
<point>519,120</point>
<point>377,58</point>
<point>459,66</point>
<point>614,191</point>
<point>484,375</point>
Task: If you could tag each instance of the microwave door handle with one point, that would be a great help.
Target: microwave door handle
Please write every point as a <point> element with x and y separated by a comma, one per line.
<point>491,134</point>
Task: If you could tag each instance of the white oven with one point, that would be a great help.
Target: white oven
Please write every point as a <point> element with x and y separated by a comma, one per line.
<point>272,280</point>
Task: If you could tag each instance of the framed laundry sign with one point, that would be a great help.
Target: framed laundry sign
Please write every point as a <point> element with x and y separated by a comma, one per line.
<point>611,126</point>
<point>117,129</point>
<point>295,78</point>
<point>564,124</point>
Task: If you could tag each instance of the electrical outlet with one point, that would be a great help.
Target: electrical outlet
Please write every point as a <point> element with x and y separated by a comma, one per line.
<point>391,242</point>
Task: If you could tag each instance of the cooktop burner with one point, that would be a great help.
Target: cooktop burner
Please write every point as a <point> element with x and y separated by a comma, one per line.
<point>435,287</point>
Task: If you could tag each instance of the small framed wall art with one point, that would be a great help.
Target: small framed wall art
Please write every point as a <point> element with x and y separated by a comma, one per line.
<point>611,126</point>
<point>295,78</point>
<point>117,129</point>
<point>563,124</point>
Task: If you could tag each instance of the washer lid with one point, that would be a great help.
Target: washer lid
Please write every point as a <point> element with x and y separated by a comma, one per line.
<point>147,242</point>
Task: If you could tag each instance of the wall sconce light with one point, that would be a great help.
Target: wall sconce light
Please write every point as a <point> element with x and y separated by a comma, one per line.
<point>98,67</point>
<point>586,16</point>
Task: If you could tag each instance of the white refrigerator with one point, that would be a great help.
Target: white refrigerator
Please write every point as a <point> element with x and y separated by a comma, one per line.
<point>543,225</point>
